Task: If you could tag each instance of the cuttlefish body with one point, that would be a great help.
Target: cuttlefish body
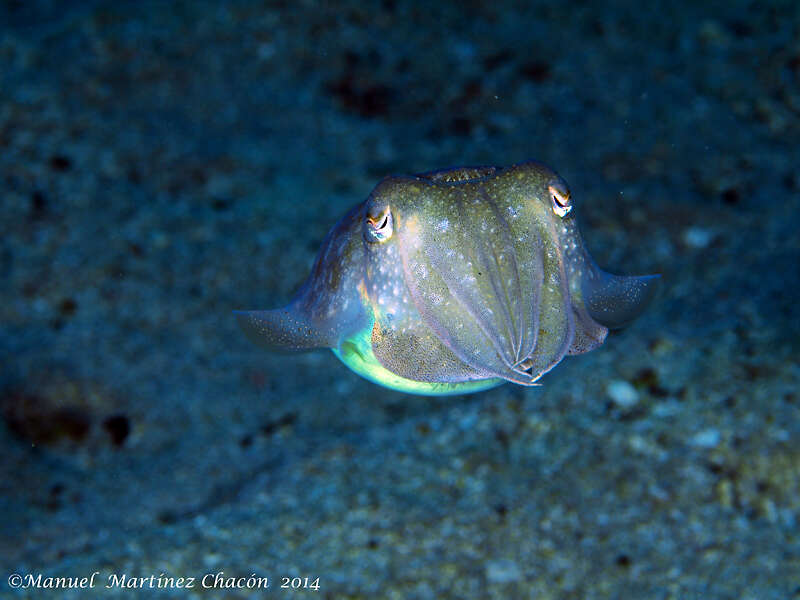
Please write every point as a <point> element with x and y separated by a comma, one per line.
<point>455,281</point>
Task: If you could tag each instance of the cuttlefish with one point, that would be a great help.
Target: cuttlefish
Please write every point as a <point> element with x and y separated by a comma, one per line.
<point>455,281</point>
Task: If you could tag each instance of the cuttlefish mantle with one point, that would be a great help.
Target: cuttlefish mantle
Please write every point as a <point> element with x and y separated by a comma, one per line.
<point>455,281</point>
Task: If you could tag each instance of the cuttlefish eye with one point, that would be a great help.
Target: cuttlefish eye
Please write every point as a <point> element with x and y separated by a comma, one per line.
<point>561,201</point>
<point>379,228</point>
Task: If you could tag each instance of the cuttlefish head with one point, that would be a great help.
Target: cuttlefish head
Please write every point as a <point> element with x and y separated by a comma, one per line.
<point>444,280</point>
<point>481,273</point>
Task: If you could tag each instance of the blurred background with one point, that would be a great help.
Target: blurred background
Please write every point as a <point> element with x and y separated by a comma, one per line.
<point>162,164</point>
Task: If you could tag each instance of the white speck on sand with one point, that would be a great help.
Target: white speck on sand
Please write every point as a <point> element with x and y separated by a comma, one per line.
<point>502,571</point>
<point>697,237</point>
<point>708,438</point>
<point>622,393</point>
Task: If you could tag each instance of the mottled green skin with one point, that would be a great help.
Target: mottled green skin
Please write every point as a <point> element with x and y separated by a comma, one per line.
<point>482,280</point>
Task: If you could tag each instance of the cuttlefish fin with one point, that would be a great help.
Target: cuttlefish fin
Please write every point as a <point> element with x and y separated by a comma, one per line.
<point>309,322</point>
<point>284,329</point>
<point>328,306</point>
<point>615,300</point>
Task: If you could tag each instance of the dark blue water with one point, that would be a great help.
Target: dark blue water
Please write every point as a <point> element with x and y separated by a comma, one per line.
<point>162,164</point>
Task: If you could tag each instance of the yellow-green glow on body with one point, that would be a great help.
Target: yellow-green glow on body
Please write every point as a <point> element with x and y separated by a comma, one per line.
<point>356,353</point>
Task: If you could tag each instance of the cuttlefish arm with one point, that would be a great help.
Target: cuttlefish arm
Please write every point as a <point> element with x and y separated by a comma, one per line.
<point>328,307</point>
<point>615,300</point>
<point>600,300</point>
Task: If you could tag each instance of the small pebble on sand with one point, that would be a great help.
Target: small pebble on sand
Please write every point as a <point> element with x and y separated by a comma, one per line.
<point>697,237</point>
<point>708,438</point>
<point>502,571</point>
<point>622,393</point>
